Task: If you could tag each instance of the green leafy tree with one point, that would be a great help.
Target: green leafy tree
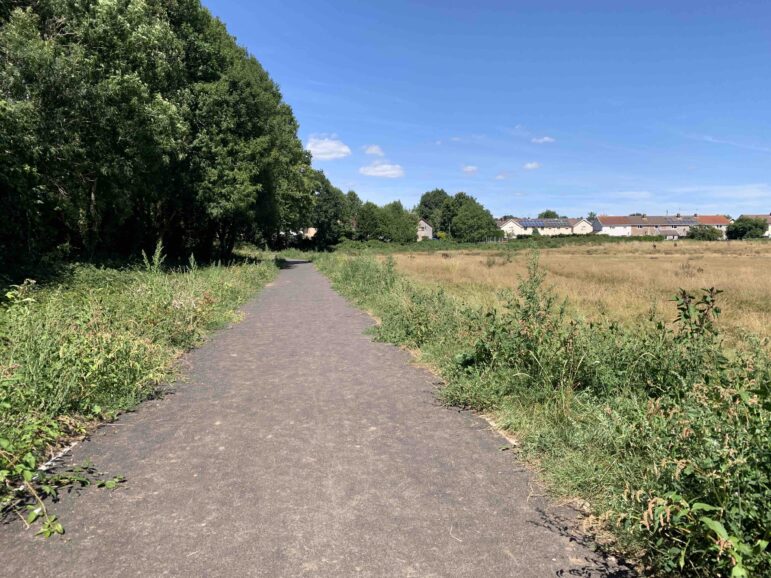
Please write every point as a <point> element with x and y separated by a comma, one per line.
<point>398,224</point>
<point>370,222</point>
<point>548,214</point>
<point>747,228</point>
<point>330,213</point>
<point>472,222</point>
<point>430,206</point>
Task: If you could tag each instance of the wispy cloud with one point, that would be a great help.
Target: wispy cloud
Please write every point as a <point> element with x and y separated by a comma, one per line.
<point>502,176</point>
<point>383,169</point>
<point>531,166</point>
<point>731,143</point>
<point>374,149</point>
<point>327,148</point>
<point>543,140</point>
<point>470,169</point>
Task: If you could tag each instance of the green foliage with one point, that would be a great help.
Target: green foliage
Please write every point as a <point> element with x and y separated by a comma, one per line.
<point>705,233</point>
<point>661,428</point>
<point>548,214</point>
<point>125,122</point>
<point>747,228</point>
<point>430,207</point>
<point>95,345</point>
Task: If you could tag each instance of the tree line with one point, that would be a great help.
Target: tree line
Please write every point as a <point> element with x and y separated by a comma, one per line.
<point>127,121</point>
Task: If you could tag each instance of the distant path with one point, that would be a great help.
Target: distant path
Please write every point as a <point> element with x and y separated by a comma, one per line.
<point>298,447</point>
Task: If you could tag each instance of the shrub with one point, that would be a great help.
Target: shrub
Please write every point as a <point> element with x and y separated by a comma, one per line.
<point>705,233</point>
<point>662,428</point>
<point>95,345</point>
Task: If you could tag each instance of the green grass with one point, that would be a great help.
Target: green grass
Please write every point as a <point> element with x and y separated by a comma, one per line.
<point>97,343</point>
<point>664,432</point>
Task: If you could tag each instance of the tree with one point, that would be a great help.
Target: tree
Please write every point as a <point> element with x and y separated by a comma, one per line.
<point>548,214</point>
<point>329,214</point>
<point>591,217</point>
<point>122,123</point>
<point>430,206</point>
<point>369,225</point>
<point>353,205</point>
<point>747,228</point>
<point>398,224</point>
<point>472,222</point>
<point>705,233</point>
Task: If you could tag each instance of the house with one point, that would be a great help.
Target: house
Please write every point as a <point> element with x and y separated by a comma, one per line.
<point>548,227</point>
<point>613,226</point>
<point>581,226</point>
<point>511,228</point>
<point>766,218</point>
<point>425,230</point>
<point>671,227</point>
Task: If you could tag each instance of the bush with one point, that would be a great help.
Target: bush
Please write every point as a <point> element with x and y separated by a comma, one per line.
<point>662,429</point>
<point>705,233</point>
<point>96,345</point>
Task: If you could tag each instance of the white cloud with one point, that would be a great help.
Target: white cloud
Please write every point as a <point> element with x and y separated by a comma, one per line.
<point>543,140</point>
<point>531,166</point>
<point>374,149</point>
<point>455,139</point>
<point>500,177</point>
<point>382,169</point>
<point>327,148</point>
<point>470,169</point>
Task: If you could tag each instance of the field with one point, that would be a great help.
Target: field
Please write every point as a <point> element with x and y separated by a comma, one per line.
<point>623,282</point>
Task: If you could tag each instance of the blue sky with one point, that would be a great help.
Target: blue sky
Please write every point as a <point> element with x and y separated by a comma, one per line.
<point>605,106</point>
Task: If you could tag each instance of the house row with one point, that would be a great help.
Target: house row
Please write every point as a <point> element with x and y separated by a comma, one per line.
<point>549,227</point>
<point>671,227</point>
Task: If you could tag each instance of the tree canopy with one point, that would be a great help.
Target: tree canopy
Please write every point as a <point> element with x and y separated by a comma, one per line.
<point>747,228</point>
<point>122,123</point>
<point>548,214</point>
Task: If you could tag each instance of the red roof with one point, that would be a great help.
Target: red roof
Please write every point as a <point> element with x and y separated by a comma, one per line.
<point>713,220</point>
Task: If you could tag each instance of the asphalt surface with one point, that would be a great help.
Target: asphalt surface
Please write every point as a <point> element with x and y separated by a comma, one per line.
<point>299,447</point>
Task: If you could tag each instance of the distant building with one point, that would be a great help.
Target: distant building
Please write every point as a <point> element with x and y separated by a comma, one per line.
<point>549,227</point>
<point>671,227</point>
<point>309,233</point>
<point>766,218</point>
<point>581,226</point>
<point>425,230</point>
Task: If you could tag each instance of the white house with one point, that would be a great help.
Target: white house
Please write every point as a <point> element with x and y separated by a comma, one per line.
<point>581,226</point>
<point>511,228</point>
<point>613,226</point>
<point>425,230</point>
<point>547,227</point>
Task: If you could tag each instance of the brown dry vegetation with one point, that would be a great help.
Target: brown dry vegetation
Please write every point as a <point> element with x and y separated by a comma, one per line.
<point>624,282</point>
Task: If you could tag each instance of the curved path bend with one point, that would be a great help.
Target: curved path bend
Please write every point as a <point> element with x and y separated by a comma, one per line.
<point>299,447</point>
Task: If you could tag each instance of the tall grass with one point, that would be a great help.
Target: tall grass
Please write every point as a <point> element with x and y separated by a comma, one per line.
<point>663,430</point>
<point>96,344</point>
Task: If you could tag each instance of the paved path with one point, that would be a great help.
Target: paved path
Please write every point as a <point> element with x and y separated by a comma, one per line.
<point>298,447</point>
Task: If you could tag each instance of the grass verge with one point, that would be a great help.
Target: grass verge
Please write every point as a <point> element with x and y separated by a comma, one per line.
<point>98,343</point>
<point>663,431</point>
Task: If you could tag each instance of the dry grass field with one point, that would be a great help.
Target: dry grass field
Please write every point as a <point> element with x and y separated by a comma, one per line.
<point>623,282</point>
